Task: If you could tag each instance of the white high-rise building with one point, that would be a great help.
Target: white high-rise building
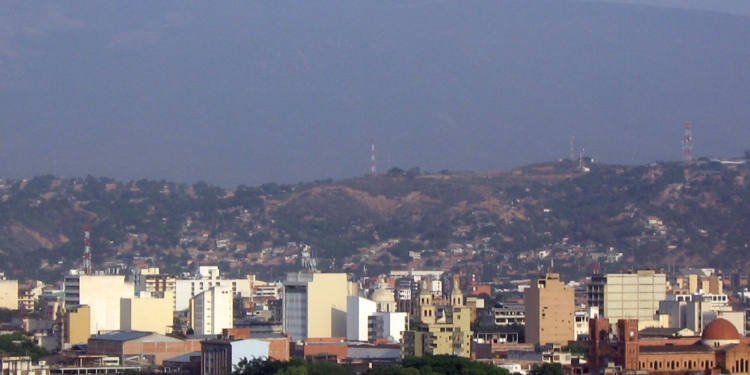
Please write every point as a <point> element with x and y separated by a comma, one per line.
<point>102,293</point>
<point>205,278</point>
<point>212,311</point>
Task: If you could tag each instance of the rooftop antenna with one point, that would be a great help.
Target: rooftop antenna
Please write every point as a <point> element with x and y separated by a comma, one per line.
<point>687,144</point>
<point>308,262</point>
<point>86,267</point>
<point>373,163</point>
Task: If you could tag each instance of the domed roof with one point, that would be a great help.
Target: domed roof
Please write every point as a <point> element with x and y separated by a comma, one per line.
<point>720,329</point>
<point>382,295</point>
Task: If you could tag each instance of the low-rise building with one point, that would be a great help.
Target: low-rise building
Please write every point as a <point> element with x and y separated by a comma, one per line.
<point>219,356</point>
<point>138,348</point>
<point>22,365</point>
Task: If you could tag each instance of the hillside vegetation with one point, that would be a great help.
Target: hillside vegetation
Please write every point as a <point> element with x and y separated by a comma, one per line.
<point>655,215</point>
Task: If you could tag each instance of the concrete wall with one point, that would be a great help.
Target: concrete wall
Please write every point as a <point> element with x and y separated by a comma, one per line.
<point>9,294</point>
<point>147,314</point>
<point>249,349</point>
<point>357,311</point>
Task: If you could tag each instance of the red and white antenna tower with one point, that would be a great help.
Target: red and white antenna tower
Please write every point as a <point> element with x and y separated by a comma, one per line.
<point>86,268</point>
<point>373,163</point>
<point>687,144</point>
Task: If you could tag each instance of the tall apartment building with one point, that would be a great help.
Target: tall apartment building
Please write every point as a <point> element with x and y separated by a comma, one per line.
<point>628,296</point>
<point>102,293</point>
<point>550,311</point>
<point>315,305</point>
<point>211,311</point>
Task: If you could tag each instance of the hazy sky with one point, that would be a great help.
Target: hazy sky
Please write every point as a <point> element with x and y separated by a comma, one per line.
<point>248,92</point>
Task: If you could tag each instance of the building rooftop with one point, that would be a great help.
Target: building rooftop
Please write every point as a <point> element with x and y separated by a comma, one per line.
<point>720,329</point>
<point>675,349</point>
<point>123,336</point>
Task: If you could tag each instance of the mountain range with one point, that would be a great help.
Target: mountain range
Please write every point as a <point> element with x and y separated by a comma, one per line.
<point>502,221</point>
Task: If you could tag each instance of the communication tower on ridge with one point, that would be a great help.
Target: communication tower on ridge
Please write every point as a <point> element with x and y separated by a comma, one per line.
<point>572,151</point>
<point>86,267</point>
<point>687,144</point>
<point>373,163</point>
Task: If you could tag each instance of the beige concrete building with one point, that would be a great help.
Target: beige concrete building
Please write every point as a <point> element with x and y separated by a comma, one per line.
<point>442,329</point>
<point>315,305</point>
<point>150,313</point>
<point>102,293</point>
<point>550,311</point>
<point>629,296</point>
<point>77,325</point>
<point>8,294</point>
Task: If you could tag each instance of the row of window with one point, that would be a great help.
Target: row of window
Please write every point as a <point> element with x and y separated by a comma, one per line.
<point>677,365</point>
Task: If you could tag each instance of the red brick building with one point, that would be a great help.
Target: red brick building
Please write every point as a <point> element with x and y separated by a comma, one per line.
<point>719,348</point>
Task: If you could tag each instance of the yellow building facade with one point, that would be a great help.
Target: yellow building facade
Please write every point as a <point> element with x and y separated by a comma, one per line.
<point>152,314</point>
<point>442,329</point>
<point>77,325</point>
<point>9,294</point>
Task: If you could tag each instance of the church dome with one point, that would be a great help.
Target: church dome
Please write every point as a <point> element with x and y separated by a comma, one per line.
<point>382,295</point>
<point>720,332</point>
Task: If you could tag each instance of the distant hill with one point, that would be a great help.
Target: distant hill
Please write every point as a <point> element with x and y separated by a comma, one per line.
<point>655,215</point>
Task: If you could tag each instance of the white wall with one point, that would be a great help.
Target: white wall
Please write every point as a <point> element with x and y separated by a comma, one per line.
<point>357,311</point>
<point>394,324</point>
<point>249,349</point>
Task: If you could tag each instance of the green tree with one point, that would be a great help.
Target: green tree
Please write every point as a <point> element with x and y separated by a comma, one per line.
<point>547,369</point>
<point>578,348</point>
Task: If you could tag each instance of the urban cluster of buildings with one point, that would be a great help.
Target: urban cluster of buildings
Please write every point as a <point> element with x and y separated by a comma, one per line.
<point>204,323</point>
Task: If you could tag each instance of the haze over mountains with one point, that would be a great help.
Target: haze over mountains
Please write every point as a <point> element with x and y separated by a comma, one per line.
<point>253,92</point>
